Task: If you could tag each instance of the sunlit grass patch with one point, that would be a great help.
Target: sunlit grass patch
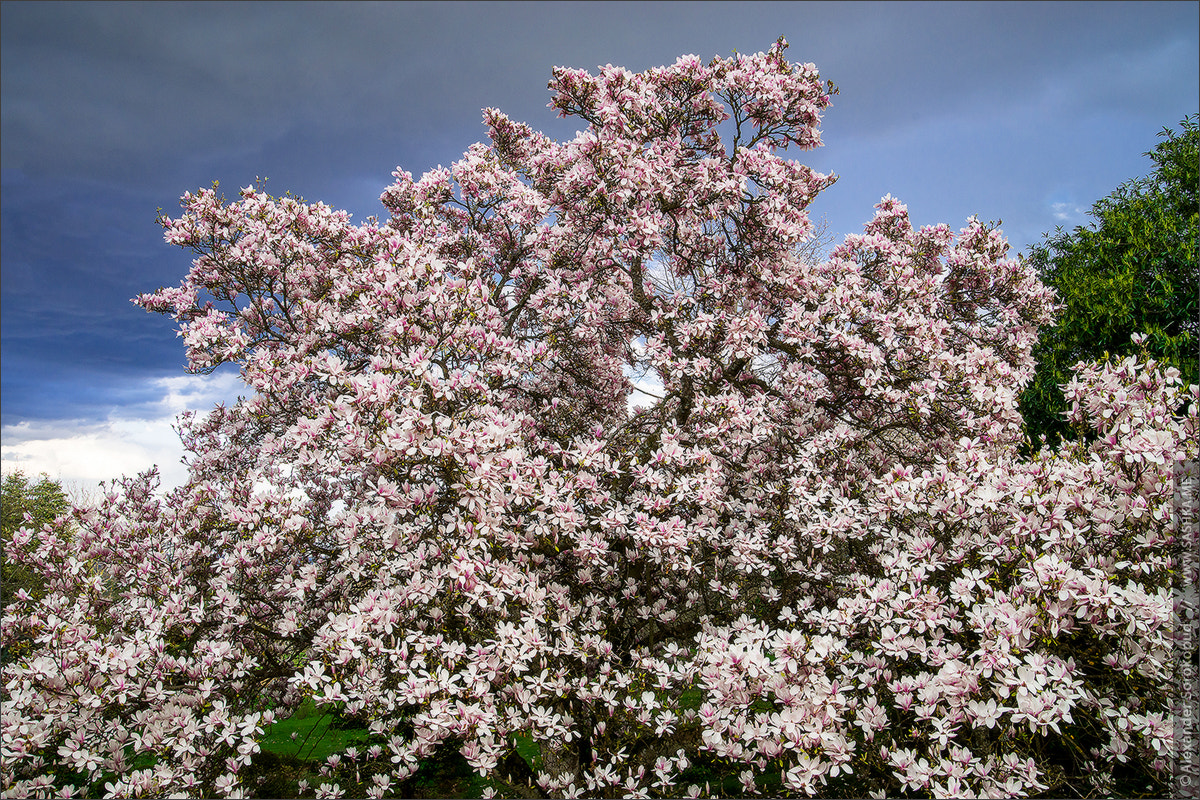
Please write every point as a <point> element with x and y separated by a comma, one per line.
<point>316,735</point>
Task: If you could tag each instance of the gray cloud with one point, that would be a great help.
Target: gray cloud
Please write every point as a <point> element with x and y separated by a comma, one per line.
<point>113,109</point>
<point>114,88</point>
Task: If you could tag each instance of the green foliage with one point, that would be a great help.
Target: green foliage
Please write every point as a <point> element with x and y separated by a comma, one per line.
<point>1132,270</point>
<point>43,501</point>
<point>29,504</point>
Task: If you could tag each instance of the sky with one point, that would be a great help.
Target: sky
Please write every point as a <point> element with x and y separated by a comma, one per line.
<point>1025,113</point>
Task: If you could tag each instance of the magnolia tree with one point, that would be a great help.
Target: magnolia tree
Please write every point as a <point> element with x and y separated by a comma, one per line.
<point>810,558</point>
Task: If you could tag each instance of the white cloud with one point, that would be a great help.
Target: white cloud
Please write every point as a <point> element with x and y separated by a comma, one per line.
<point>647,385</point>
<point>1067,211</point>
<point>82,454</point>
<point>647,391</point>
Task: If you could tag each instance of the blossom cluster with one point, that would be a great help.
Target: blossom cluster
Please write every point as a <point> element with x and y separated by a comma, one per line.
<point>818,554</point>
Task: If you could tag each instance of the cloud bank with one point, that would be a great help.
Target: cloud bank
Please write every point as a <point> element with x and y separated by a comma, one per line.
<point>83,453</point>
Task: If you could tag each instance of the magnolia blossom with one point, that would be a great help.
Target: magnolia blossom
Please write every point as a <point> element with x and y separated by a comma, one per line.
<point>818,553</point>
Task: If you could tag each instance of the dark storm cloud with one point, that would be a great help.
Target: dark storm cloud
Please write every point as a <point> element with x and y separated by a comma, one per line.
<point>121,91</point>
<point>114,91</point>
<point>148,91</point>
<point>111,111</point>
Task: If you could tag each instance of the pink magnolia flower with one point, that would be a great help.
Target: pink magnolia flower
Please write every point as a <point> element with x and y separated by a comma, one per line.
<point>443,507</point>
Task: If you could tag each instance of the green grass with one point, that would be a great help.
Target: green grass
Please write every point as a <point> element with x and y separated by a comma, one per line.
<point>294,749</point>
<point>286,759</point>
<point>315,737</point>
<point>528,749</point>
